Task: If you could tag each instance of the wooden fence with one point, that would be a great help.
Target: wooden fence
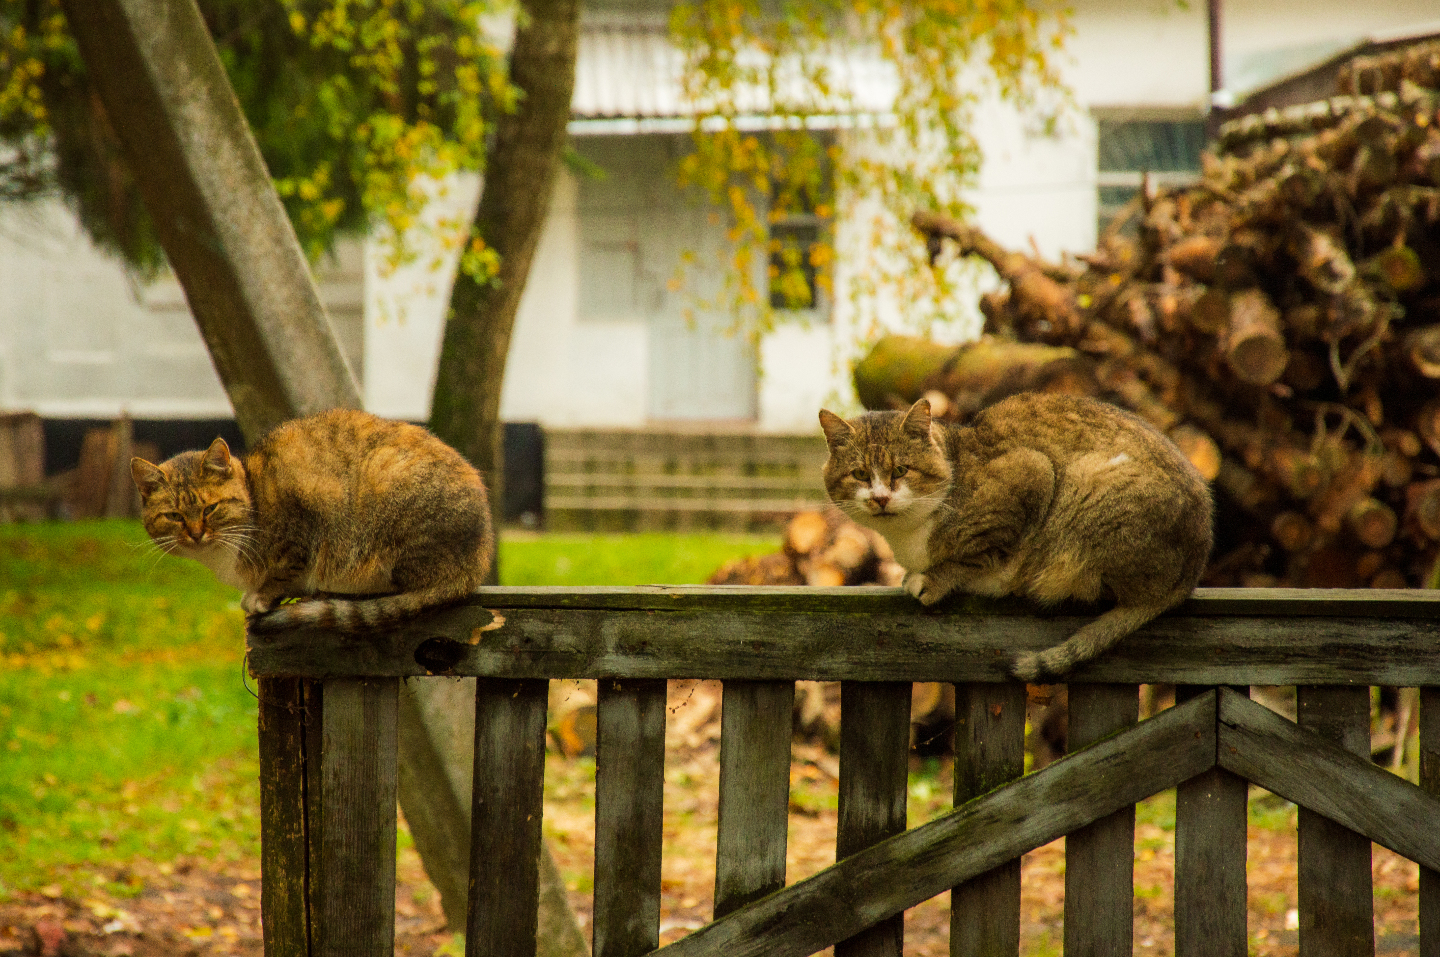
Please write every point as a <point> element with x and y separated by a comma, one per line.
<point>328,733</point>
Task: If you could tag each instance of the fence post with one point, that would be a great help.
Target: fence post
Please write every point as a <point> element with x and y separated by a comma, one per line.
<point>1100,858</point>
<point>353,772</point>
<point>1210,819</point>
<point>755,733</point>
<point>1430,781</point>
<point>989,751</point>
<point>874,786</point>
<point>284,851</point>
<point>508,801</point>
<point>629,801</point>
<point>1337,907</point>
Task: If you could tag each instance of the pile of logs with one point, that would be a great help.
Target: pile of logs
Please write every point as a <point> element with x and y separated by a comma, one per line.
<point>821,548</point>
<point>1280,320</point>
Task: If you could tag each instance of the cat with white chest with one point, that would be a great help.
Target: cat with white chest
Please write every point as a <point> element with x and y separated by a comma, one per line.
<point>1049,497</point>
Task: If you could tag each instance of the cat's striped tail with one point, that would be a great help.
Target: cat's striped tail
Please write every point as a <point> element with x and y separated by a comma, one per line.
<point>350,614</point>
<point>1094,638</point>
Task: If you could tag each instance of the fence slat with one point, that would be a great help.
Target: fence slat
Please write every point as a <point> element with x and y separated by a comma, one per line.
<point>989,750</point>
<point>1337,913</point>
<point>874,779</point>
<point>1100,858</point>
<point>284,917</point>
<point>353,883</point>
<point>755,721</point>
<point>629,796</point>
<point>1210,907</point>
<point>507,804</point>
<point>1430,781</point>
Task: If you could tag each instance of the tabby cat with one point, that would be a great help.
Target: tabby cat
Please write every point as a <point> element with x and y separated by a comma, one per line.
<point>1041,495</point>
<point>342,503</point>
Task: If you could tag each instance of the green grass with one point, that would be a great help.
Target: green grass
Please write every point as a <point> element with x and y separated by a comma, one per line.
<point>644,559</point>
<point>127,728</point>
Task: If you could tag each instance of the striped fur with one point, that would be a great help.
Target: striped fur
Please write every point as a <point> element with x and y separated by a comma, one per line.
<point>364,520</point>
<point>1050,497</point>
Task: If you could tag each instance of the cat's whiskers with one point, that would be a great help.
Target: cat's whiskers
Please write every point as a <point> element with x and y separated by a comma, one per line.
<point>161,546</point>
<point>240,543</point>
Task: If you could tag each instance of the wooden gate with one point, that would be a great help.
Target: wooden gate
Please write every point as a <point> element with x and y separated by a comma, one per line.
<point>327,734</point>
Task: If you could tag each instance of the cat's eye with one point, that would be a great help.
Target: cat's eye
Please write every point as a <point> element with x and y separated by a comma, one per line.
<point>173,516</point>
<point>210,509</point>
<point>900,470</point>
<point>860,475</point>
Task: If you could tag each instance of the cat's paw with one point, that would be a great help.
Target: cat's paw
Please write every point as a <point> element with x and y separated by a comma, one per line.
<point>914,583</point>
<point>924,587</point>
<point>253,603</point>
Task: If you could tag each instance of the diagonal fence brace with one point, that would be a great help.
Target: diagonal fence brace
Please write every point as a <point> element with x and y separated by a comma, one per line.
<point>902,871</point>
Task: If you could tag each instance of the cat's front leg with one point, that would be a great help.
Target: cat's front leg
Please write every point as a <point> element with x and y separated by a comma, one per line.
<point>277,583</point>
<point>934,583</point>
<point>254,603</point>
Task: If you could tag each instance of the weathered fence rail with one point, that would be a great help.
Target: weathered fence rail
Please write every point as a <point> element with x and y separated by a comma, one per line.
<point>327,732</point>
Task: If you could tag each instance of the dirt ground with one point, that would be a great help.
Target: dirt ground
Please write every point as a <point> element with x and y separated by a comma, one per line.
<point>194,907</point>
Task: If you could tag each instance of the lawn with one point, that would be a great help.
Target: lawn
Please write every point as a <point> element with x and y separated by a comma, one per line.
<point>127,725</point>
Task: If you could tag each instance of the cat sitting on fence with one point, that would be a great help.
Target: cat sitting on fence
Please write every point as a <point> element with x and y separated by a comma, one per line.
<point>1050,497</point>
<point>340,503</point>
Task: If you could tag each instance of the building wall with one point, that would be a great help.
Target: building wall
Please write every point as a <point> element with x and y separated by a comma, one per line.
<point>82,337</point>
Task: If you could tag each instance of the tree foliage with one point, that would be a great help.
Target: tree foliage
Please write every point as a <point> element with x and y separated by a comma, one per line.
<point>861,108</point>
<point>355,105</point>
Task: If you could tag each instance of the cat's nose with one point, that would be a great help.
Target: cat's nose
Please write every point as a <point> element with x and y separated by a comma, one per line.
<point>880,500</point>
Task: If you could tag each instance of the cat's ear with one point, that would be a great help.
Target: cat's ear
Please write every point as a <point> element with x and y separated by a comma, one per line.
<point>147,477</point>
<point>917,420</point>
<point>836,428</point>
<point>217,458</point>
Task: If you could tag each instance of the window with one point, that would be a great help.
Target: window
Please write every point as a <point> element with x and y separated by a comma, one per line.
<point>792,263</point>
<point>1168,149</point>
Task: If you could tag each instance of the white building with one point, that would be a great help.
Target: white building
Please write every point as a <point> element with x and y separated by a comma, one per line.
<point>600,339</point>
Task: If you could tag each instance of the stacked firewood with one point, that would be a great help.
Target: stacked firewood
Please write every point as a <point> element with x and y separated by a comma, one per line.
<point>1280,320</point>
<point>818,548</point>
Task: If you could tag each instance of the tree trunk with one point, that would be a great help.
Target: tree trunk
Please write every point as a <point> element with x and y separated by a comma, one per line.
<point>519,179</point>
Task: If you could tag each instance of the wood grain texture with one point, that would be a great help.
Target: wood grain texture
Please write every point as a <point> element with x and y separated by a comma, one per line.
<point>629,795</point>
<point>507,805</point>
<point>1210,913</point>
<point>904,870</point>
<point>1300,766</point>
<point>1100,857</point>
<point>284,858</point>
<point>755,735</point>
<point>989,752</point>
<point>1307,636</point>
<point>353,884</point>
<point>1430,784</point>
<point>1337,911</point>
<point>874,777</point>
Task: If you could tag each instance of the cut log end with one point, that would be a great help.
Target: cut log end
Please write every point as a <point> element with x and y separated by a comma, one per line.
<point>1199,448</point>
<point>1372,522</point>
